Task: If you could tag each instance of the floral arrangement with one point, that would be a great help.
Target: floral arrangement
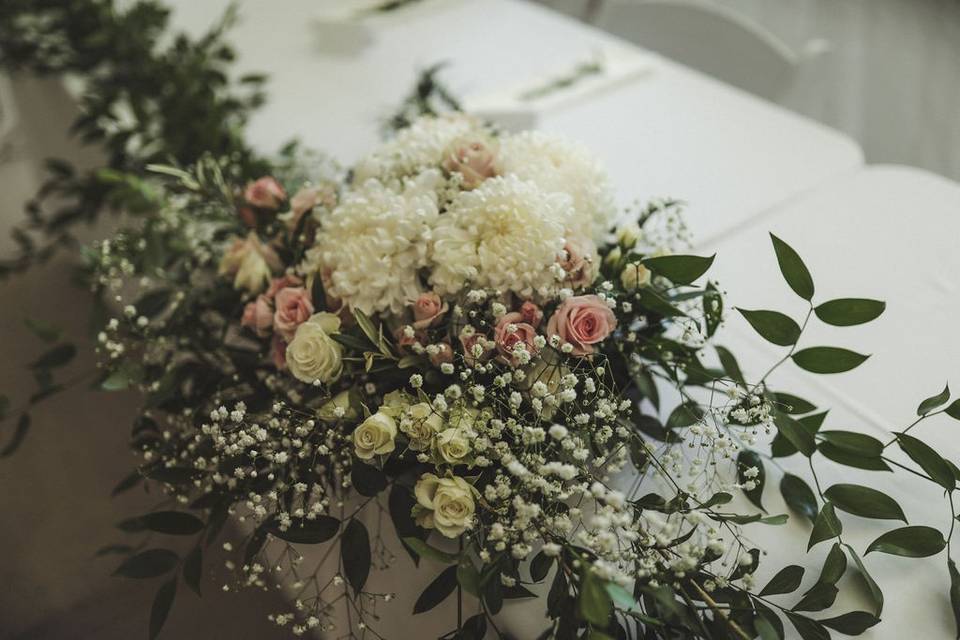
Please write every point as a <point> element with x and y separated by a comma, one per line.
<point>465,332</point>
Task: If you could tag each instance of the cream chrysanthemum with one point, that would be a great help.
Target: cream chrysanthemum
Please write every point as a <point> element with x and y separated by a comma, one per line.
<point>557,164</point>
<point>417,147</point>
<point>504,235</point>
<point>375,241</point>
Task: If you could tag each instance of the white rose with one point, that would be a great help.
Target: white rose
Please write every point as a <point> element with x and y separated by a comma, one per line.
<point>444,504</point>
<point>634,276</point>
<point>421,423</point>
<point>375,436</point>
<point>313,354</point>
<point>453,446</point>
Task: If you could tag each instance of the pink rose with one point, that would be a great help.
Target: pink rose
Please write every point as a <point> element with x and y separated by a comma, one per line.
<point>265,193</point>
<point>469,341</point>
<point>406,338</point>
<point>582,321</point>
<point>428,310</point>
<point>578,263</point>
<point>305,200</point>
<point>531,313</point>
<point>473,157</point>
<point>293,309</point>
<point>258,316</point>
<point>511,330</point>
<point>279,351</point>
<point>443,355</point>
<point>284,281</point>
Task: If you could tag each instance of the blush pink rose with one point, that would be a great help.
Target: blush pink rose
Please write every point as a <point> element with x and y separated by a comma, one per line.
<point>265,193</point>
<point>293,309</point>
<point>279,352</point>
<point>531,313</point>
<point>468,342</point>
<point>284,281</point>
<point>428,310</point>
<point>582,321</point>
<point>258,316</point>
<point>473,157</point>
<point>510,331</point>
<point>578,263</point>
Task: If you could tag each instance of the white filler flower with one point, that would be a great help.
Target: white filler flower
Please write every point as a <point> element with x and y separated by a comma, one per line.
<point>374,242</point>
<point>557,164</point>
<point>504,235</point>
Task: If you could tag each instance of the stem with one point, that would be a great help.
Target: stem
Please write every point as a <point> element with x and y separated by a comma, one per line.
<point>718,611</point>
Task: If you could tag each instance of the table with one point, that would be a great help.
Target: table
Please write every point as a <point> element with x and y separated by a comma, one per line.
<point>671,133</point>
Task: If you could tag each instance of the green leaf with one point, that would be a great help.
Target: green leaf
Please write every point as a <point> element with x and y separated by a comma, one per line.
<point>468,577</point>
<point>834,566</point>
<point>791,404</point>
<point>808,628</point>
<point>794,432</point>
<point>910,542</point>
<point>193,569</point>
<point>864,502</point>
<point>851,458</point>
<point>44,331</point>
<point>934,402</point>
<point>846,312</point>
<point>851,624</point>
<point>425,550</point>
<point>954,592</point>
<point>787,580</point>
<point>825,527</point>
<point>437,591</point>
<point>928,459</point>
<point>793,269</point>
<point>872,586</point>
<point>799,496</point>
<point>773,326</point>
<point>321,529</point>
<point>355,553</point>
<point>148,564</point>
<point>474,628</point>
<point>161,607</point>
<point>820,597</point>
<point>745,460</point>
<point>953,410</point>
<point>367,479</point>
<point>23,426</point>
<point>593,602</point>
<point>854,442</point>
<point>730,365</point>
<point>768,623</point>
<point>679,269</point>
<point>174,523</point>
<point>55,357</point>
<point>621,598</point>
<point>540,566</point>
<point>828,359</point>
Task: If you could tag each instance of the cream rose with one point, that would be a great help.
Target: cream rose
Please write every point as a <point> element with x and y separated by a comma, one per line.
<point>635,276</point>
<point>453,445</point>
<point>444,504</point>
<point>312,354</point>
<point>375,436</point>
<point>421,423</point>
<point>339,407</point>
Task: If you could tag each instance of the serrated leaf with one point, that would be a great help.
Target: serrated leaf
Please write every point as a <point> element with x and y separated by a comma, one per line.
<point>793,269</point>
<point>773,326</point>
<point>437,591</point>
<point>355,553</point>
<point>825,527</point>
<point>679,269</point>
<point>148,564</point>
<point>928,459</point>
<point>910,542</point>
<point>827,360</point>
<point>864,502</point>
<point>787,580</point>
<point>846,312</point>
<point>162,604</point>
<point>799,496</point>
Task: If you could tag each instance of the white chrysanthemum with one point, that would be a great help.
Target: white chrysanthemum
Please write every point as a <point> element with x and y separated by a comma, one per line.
<point>503,235</point>
<point>375,240</point>
<point>417,147</point>
<point>557,164</point>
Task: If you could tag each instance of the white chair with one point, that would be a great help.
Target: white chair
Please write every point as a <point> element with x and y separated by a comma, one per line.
<point>706,37</point>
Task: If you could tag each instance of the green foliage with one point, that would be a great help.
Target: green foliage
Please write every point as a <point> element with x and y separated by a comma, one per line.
<point>679,269</point>
<point>910,542</point>
<point>773,326</point>
<point>793,269</point>
<point>846,312</point>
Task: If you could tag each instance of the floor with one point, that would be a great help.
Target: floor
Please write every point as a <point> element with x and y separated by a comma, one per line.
<point>886,72</point>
